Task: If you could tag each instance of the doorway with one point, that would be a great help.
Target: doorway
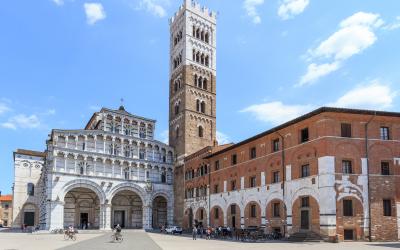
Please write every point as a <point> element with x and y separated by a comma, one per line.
<point>348,234</point>
<point>84,220</point>
<point>305,220</point>
<point>29,218</point>
<point>233,221</point>
<point>119,218</point>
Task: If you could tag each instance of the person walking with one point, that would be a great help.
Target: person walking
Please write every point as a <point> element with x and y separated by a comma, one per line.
<point>194,233</point>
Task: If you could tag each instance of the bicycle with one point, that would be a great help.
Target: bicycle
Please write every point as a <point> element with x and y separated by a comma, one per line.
<point>115,237</point>
<point>69,235</point>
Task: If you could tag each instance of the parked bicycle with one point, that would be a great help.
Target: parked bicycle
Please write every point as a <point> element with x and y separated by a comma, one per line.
<point>69,235</point>
<point>117,237</point>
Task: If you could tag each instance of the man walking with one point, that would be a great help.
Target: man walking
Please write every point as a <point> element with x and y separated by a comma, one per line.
<point>194,233</point>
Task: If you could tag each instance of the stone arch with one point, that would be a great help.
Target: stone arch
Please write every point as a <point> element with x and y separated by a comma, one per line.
<point>200,217</point>
<point>233,215</point>
<point>252,218</point>
<point>129,187</point>
<point>305,213</point>
<point>29,214</point>
<point>350,222</point>
<point>160,207</point>
<point>82,183</point>
<point>216,216</point>
<point>275,214</point>
<point>188,218</point>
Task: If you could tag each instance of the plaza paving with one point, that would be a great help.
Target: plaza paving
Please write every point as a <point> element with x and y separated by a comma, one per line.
<point>148,241</point>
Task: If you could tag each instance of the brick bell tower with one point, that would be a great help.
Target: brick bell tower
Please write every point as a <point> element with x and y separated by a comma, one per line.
<point>192,89</point>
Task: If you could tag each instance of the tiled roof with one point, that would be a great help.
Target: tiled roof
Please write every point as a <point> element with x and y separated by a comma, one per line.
<point>30,152</point>
<point>6,198</point>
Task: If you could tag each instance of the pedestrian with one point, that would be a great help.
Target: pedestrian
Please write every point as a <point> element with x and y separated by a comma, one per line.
<point>194,233</point>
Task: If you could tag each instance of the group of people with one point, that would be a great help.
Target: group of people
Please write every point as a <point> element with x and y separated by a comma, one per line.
<point>199,230</point>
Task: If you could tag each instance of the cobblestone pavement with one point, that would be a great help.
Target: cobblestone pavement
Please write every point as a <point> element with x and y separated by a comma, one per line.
<point>149,241</point>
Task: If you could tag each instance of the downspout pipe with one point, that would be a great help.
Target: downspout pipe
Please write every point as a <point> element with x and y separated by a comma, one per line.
<point>368,177</point>
<point>283,180</point>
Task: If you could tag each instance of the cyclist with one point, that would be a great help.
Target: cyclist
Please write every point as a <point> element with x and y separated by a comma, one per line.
<point>118,230</point>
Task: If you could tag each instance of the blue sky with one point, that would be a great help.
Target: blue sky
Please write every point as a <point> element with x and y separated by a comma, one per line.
<point>61,60</point>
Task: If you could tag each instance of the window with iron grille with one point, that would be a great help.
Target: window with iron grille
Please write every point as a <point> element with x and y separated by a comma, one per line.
<point>346,129</point>
<point>347,208</point>
<point>347,167</point>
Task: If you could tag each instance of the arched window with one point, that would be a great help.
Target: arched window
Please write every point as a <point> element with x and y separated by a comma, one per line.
<point>176,86</point>
<point>198,57</point>
<point>177,132</point>
<point>126,173</point>
<point>195,80</point>
<point>207,61</point>
<point>163,177</point>
<point>203,107</point>
<point>177,108</point>
<point>206,38</point>
<point>205,84</point>
<point>198,33</point>
<point>201,131</point>
<point>142,153</point>
<point>194,31</point>
<point>198,105</point>
<point>202,59</point>
<point>194,55</point>
<point>202,35</point>
<point>30,189</point>
<point>200,82</point>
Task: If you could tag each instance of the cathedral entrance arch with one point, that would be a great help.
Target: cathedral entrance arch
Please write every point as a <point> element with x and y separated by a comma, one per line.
<point>127,209</point>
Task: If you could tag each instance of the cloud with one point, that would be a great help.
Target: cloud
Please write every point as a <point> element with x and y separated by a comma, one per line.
<point>155,7</point>
<point>22,121</point>
<point>251,9</point>
<point>222,138</point>
<point>4,108</point>
<point>58,2</point>
<point>356,33</point>
<point>276,112</point>
<point>374,95</point>
<point>393,26</point>
<point>94,12</point>
<point>290,8</point>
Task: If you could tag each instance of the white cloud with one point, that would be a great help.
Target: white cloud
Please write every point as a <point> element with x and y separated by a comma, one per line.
<point>276,112</point>
<point>315,71</point>
<point>58,2</point>
<point>356,33</point>
<point>393,26</point>
<point>155,7</point>
<point>290,8</point>
<point>22,121</point>
<point>374,95</point>
<point>4,108</point>
<point>94,12</point>
<point>222,138</point>
<point>251,9</point>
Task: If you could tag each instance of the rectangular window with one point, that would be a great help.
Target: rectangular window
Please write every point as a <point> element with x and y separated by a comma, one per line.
<point>233,209</point>
<point>234,159</point>
<point>275,177</point>
<point>275,145</point>
<point>385,170</point>
<point>253,211</point>
<point>216,213</point>
<point>216,165</point>
<point>233,185</point>
<point>305,170</point>
<point>201,214</point>
<point>347,167</point>
<point>305,201</point>
<point>252,181</point>
<point>276,210</point>
<point>384,133</point>
<point>387,208</point>
<point>216,189</point>
<point>346,130</point>
<point>253,153</point>
<point>347,208</point>
<point>304,135</point>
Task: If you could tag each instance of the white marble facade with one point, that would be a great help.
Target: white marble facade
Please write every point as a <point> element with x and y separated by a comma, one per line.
<point>111,172</point>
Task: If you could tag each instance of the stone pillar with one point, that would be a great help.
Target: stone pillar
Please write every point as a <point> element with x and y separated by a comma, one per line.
<point>147,216</point>
<point>241,217</point>
<point>327,194</point>
<point>364,180</point>
<point>56,215</point>
<point>170,212</point>
<point>105,217</point>
<point>263,220</point>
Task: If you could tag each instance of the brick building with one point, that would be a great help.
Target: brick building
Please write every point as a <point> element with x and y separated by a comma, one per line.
<point>5,210</point>
<point>323,172</point>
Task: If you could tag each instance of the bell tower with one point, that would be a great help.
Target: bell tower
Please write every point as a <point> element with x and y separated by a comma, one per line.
<point>192,92</point>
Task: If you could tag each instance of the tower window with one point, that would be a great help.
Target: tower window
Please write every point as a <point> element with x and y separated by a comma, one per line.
<point>387,208</point>
<point>207,61</point>
<point>203,107</point>
<point>385,170</point>
<point>30,189</point>
<point>206,38</point>
<point>205,84</point>
<point>201,132</point>
<point>177,132</point>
